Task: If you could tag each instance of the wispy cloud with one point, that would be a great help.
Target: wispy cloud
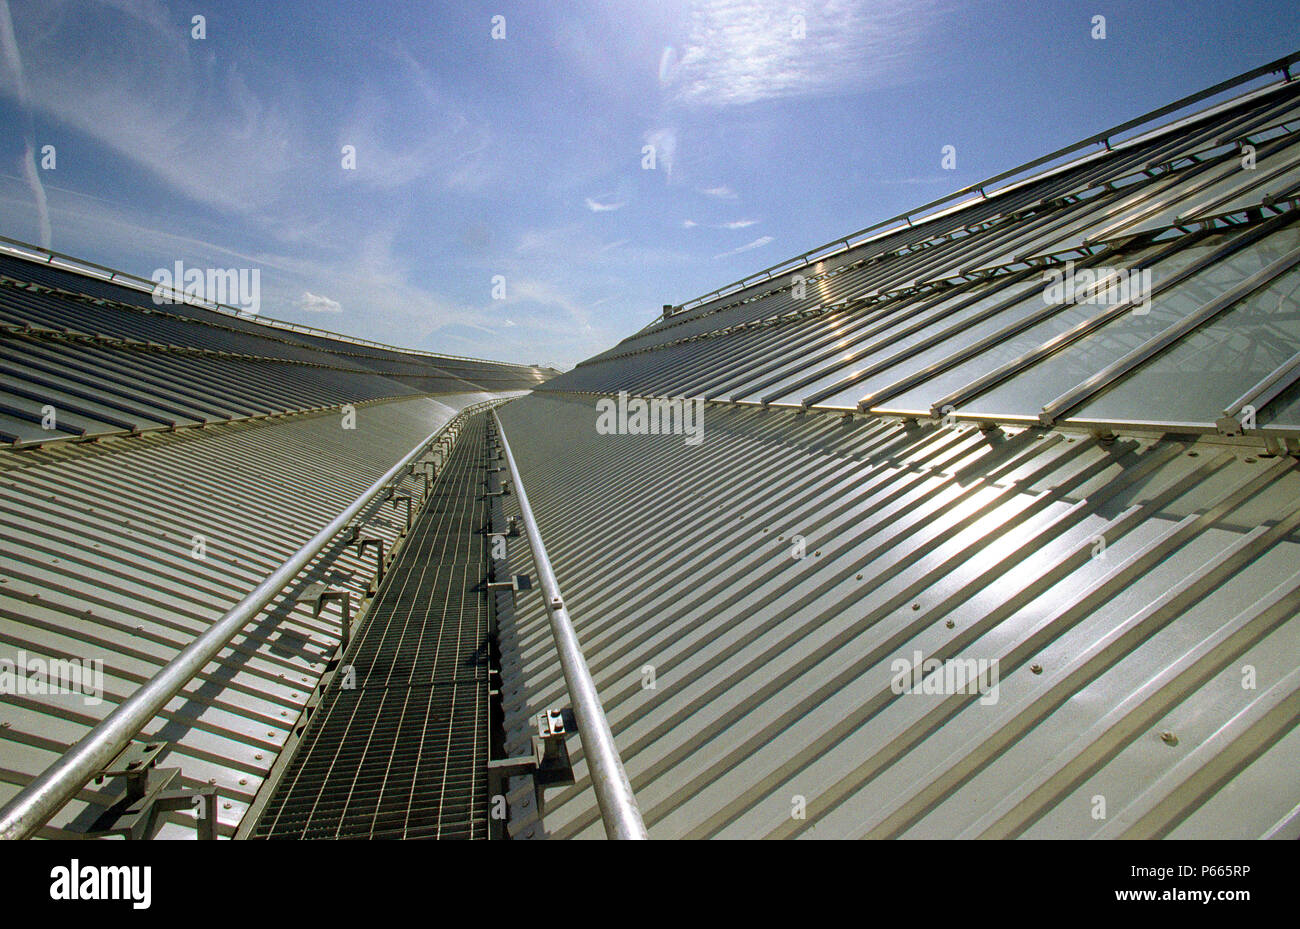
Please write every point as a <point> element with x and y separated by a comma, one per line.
<point>741,51</point>
<point>597,207</point>
<point>313,303</point>
<point>734,224</point>
<point>720,192</point>
<point>14,66</point>
<point>393,150</point>
<point>757,243</point>
<point>193,125</point>
<point>931,179</point>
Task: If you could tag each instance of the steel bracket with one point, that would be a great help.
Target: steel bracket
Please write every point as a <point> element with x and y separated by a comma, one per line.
<point>150,790</point>
<point>317,595</point>
<point>397,498</point>
<point>549,764</point>
<point>516,583</point>
<point>362,543</point>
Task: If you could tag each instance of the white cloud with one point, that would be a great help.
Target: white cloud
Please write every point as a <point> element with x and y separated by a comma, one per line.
<point>757,243</point>
<point>14,65</point>
<point>311,303</point>
<point>734,224</point>
<point>741,51</point>
<point>597,207</point>
<point>393,150</point>
<point>721,192</point>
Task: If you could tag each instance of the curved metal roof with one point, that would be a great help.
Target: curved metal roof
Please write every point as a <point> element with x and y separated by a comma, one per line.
<point>107,360</point>
<point>767,580</point>
<point>970,313</point>
<point>212,447</point>
<point>919,455</point>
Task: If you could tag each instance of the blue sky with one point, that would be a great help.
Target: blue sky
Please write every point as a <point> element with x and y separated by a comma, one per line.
<point>522,157</point>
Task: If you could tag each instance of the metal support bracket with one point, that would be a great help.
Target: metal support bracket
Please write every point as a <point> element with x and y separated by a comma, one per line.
<point>511,531</point>
<point>397,498</point>
<point>317,595</point>
<point>516,583</point>
<point>151,790</point>
<point>549,764</point>
<point>362,542</point>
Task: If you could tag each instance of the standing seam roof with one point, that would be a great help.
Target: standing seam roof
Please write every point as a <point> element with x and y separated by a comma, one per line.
<point>1121,585</point>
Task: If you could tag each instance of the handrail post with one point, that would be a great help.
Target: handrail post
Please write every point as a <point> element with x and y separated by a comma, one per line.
<point>618,807</point>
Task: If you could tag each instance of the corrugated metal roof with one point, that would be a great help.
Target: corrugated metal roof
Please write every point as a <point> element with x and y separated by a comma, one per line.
<point>916,454</point>
<point>107,360</point>
<point>123,549</point>
<point>925,459</point>
<point>1122,586</point>
<point>96,562</point>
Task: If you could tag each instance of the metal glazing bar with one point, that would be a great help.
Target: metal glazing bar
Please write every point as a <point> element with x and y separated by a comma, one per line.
<point>1272,67</point>
<point>618,807</point>
<point>1262,394</point>
<point>935,338</point>
<point>1053,411</point>
<point>979,346</point>
<point>1178,189</point>
<point>1078,331</point>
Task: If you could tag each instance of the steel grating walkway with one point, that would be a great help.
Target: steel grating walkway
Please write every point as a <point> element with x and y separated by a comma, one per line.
<point>403,753</point>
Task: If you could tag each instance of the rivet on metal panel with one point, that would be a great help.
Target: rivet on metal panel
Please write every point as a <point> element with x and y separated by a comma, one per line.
<point>1036,668</point>
<point>1168,738</point>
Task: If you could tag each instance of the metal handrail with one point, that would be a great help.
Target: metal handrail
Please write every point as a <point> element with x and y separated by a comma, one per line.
<point>36,803</point>
<point>618,807</point>
<point>845,243</point>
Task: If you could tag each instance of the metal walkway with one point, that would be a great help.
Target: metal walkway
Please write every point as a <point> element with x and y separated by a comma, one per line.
<point>403,752</point>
